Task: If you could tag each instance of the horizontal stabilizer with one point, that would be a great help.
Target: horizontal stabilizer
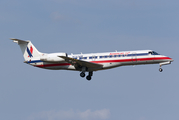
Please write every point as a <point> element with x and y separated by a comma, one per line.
<point>19,41</point>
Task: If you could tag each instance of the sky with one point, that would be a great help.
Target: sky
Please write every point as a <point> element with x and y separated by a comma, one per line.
<point>89,26</point>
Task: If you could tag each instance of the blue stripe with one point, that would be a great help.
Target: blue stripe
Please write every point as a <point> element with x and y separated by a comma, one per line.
<point>110,56</point>
<point>141,54</point>
<point>28,51</point>
<point>34,61</point>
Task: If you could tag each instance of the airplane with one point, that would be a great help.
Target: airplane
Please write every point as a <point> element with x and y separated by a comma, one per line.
<point>89,62</point>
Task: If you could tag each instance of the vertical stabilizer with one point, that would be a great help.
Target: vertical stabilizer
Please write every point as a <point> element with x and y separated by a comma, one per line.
<point>28,49</point>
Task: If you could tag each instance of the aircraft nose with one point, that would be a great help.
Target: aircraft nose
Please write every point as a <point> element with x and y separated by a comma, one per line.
<point>171,60</point>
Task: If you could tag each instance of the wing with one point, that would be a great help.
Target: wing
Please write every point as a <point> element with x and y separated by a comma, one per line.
<point>81,62</point>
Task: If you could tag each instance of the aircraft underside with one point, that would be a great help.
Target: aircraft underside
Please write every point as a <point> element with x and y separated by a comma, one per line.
<point>66,66</point>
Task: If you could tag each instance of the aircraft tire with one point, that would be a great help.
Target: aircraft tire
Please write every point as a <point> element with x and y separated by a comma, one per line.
<point>82,74</point>
<point>88,77</point>
<point>160,69</point>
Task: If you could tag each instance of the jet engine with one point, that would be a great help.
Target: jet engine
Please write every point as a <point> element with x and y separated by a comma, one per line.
<point>54,57</point>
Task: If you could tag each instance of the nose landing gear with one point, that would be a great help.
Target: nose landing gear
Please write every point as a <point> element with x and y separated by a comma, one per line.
<point>160,69</point>
<point>163,63</point>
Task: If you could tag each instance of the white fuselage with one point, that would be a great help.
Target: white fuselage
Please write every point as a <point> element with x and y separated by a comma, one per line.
<point>108,60</point>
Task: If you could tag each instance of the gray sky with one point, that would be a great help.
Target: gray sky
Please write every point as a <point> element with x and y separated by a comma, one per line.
<point>89,26</point>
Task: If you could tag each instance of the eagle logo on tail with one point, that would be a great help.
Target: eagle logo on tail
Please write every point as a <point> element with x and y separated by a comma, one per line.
<point>30,52</point>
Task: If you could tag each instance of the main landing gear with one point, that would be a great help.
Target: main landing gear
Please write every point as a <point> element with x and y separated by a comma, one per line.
<point>82,74</point>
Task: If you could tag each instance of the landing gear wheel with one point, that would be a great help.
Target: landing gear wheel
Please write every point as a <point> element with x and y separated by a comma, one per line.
<point>160,69</point>
<point>82,74</point>
<point>88,77</point>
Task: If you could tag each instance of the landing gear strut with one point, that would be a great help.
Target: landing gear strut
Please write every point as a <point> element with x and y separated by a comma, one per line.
<point>160,69</point>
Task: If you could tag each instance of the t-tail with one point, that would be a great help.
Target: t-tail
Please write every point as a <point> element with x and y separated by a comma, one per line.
<point>28,49</point>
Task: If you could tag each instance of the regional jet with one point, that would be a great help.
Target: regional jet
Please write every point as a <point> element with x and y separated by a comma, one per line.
<point>89,62</point>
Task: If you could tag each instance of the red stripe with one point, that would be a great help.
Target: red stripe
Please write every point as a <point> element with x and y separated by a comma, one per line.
<point>109,61</point>
<point>130,60</point>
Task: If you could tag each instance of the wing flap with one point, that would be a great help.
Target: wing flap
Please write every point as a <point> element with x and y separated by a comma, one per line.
<point>81,62</point>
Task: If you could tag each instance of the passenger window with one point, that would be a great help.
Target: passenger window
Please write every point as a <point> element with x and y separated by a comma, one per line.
<point>110,56</point>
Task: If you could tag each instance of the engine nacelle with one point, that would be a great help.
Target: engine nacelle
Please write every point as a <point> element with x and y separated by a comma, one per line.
<point>53,57</point>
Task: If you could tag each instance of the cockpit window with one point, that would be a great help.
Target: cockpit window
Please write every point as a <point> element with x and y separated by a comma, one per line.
<point>153,53</point>
<point>150,53</point>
